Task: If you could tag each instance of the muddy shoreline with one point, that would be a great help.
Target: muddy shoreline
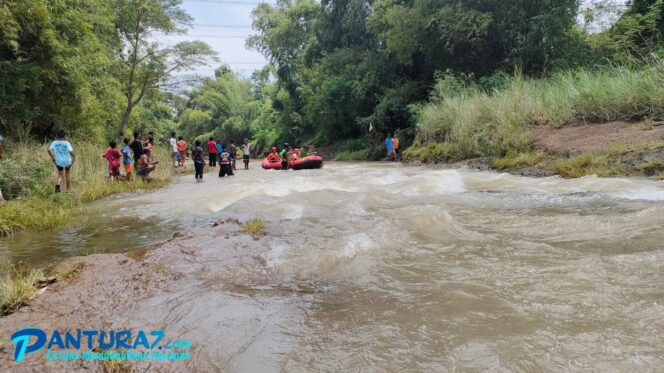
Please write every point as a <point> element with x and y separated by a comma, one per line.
<point>642,156</point>
<point>126,291</point>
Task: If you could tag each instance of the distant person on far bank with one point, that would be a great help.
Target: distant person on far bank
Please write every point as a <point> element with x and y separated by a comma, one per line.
<point>199,162</point>
<point>182,149</point>
<point>174,149</point>
<point>126,159</point>
<point>395,147</point>
<point>389,146</point>
<point>246,153</point>
<point>233,152</point>
<point>212,151</point>
<point>113,156</point>
<point>62,154</point>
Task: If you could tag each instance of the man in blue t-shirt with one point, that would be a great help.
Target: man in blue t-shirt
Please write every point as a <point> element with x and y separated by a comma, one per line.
<point>62,154</point>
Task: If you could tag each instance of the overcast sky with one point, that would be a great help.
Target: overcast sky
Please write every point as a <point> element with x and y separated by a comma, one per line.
<point>225,25</point>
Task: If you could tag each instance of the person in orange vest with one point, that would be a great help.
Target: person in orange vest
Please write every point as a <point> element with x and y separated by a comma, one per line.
<point>395,146</point>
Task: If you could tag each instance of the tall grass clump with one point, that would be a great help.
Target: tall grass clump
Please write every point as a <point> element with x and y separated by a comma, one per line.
<point>254,226</point>
<point>27,177</point>
<point>492,123</point>
<point>17,289</point>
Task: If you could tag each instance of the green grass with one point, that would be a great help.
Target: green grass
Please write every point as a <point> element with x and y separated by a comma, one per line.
<point>18,289</point>
<point>588,164</point>
<point>433,153</point>
<point>71,270</point>
<point>34,206</point>
<point>517,160</point>
<point>352,155</point>
<point>490,124</point>
<point>254,227</point>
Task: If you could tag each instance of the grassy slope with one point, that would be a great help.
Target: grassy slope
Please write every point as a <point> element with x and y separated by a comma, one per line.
<point>41,209</point>
<point>470,122</point>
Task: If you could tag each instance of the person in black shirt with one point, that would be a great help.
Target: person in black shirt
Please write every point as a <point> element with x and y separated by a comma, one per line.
<point>199,162</point>
<point>137,147</point>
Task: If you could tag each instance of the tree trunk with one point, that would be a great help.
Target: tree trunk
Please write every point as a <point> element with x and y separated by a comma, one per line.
<point>125,119</point>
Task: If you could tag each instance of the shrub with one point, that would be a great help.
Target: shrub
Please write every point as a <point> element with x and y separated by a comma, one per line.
<point>587,164</point>
<point>254,226</point>
<point>516,160</point>
<point>356,155</point>
<point>433,153</point>
<point>20,176</point>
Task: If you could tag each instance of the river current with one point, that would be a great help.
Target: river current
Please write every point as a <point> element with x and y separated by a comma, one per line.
<point>382,267</point>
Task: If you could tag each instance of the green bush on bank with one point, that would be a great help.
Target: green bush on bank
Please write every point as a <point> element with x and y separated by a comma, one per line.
<point>19,176</point>
<point>433,153</point>
<point>516,160</point>
<point>352,155</point>
<point>491,124</point>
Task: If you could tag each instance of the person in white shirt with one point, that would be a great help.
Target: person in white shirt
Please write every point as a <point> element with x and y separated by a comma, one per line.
<point>174,149</point>
<point>246,152</point>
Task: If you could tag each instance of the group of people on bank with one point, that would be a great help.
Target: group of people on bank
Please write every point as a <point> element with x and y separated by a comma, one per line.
<point>218,153</point>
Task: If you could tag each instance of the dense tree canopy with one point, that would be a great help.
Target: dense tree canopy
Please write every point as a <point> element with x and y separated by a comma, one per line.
<point>341,71</point>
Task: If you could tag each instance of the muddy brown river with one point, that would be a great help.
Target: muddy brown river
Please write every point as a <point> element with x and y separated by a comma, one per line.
<point>380,267</point>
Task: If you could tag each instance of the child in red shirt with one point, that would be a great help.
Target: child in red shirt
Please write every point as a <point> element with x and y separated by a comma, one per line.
<point>113,156</point>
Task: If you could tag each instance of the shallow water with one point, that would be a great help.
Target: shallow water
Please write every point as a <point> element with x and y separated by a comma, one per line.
<point>383,267</point>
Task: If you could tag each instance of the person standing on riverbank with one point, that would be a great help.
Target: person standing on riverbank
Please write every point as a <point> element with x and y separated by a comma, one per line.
<point>395,147</point>
<point>182,149</point>
<point>113,155</point>
<point>199,162</point>
<point>390,147</point>
<point>233,152</point>
<point>212,151</point>
<point>174,150</point>
<point>149,148</point>
<point>246,153</point>
<point>62,154</point>
<point>126,159</point>
<point>137,147</point>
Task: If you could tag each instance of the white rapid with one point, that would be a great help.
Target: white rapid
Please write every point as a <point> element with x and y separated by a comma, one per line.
<point>390,268</point>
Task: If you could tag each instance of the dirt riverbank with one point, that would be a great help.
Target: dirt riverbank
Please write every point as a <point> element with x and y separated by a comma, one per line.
<point>613,149</point>
<point>128,291</point>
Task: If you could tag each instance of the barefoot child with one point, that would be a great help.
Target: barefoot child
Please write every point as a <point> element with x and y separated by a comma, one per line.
<point>126,159</point>
<point>113,156</point>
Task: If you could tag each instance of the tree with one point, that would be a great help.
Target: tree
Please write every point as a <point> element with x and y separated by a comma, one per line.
<point>145,64</point>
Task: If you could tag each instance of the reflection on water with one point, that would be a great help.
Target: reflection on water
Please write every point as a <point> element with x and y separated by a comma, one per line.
<point>396,268</point>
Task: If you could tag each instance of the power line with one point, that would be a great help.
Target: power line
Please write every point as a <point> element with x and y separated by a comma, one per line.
<point>229,2</point>
<point>220,25</point>
<point>216,36</point>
